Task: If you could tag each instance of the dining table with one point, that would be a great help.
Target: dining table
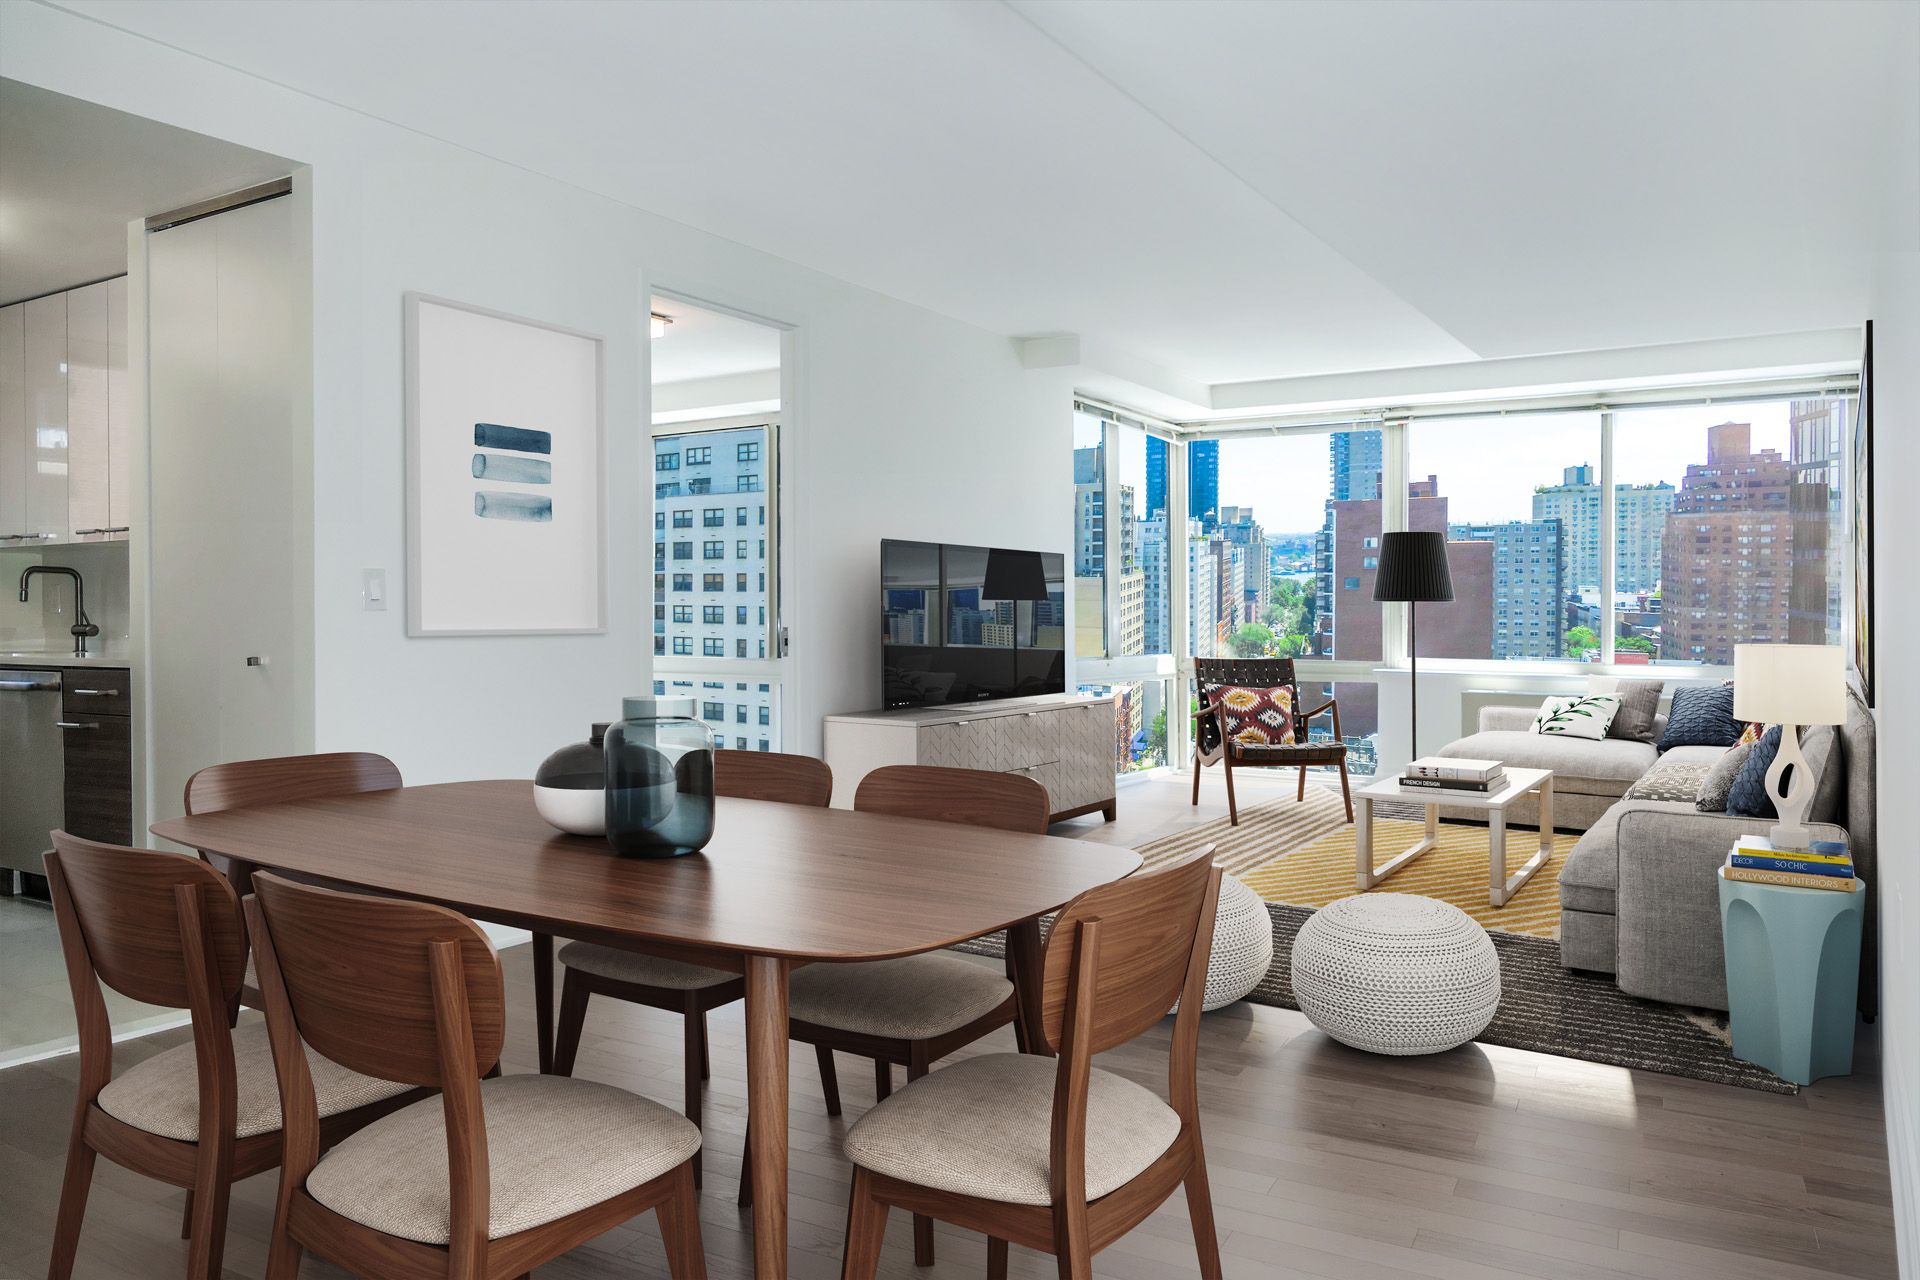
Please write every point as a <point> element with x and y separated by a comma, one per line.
<point>778,886</point>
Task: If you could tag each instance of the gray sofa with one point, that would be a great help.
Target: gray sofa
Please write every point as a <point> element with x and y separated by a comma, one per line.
<point>1588,777</point>
<point>1639,896</point>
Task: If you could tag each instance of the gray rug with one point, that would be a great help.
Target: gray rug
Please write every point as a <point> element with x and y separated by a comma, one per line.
<point>1547,1009</point>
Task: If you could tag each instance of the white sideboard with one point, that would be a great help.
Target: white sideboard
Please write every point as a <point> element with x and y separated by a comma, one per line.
<point>1065,744</point>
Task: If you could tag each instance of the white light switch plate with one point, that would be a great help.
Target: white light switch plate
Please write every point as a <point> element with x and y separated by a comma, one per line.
<point>373,589</point>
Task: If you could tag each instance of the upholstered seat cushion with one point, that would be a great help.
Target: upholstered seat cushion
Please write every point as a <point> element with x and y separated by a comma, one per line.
<point>644,970</point>
<point>162,1095</point>
<point>554,1146</point>
<point>982,1127</point>
<point>911,998</point>
<point>1604,768</point>
<point>1590,878</point>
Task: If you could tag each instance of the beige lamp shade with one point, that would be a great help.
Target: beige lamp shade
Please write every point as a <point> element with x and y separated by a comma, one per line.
<point>1790,683</point>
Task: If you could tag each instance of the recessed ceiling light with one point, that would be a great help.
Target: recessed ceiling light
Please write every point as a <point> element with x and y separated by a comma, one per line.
<point>660,324</point>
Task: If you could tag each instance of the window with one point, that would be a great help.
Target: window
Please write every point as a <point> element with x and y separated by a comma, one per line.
<point>702,485</point>
<point>739,515</point>
<point>714,647</point>
<point>713,517</point>
<point>739,581</point>
<point>714,550</point>
<point>740,649</point>
<point>683,519</point>
<point>740,713</point>
<point>683,582</point>
<point>683,551</point>
<point>713,582</point>
<point>747,452</point>
<point>699,456</point>
<point>666,490</point>
<point>666,461</point>
<point>712,613</point>
<point>716,711</point>
<point>659,519</point>
<point>740,549</point>
<point>1730,528</point>
<point>1511,495</point>
<point>683,644</point>
<point>740,615</point>
<point>749,484</point>
<point>765,716</point>
<point>683,613</point>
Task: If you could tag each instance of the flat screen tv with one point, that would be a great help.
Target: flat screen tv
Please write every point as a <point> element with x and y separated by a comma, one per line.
<point>967,624</point>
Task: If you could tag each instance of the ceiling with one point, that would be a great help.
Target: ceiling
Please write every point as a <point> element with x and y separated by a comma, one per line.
<point>72,175</point>
<point>710,344</point>
<point>1224,190</point>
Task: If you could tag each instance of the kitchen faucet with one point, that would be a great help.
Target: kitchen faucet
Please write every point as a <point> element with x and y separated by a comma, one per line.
<point>82,627</point>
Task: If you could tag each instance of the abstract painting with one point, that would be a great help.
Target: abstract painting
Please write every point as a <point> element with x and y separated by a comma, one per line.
<point>506,474</point>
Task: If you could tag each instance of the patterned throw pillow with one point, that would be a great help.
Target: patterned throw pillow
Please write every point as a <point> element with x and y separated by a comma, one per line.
<point>1749,798</point>
<point>1585,717</point>
<point>1256,717</point>
<point>1752,733</point>
<point>1701,716</point>
<point>1718,784</point>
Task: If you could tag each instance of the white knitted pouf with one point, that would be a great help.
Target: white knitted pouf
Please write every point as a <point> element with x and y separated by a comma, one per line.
<point>1242,945</point>
<point>1396,973</point>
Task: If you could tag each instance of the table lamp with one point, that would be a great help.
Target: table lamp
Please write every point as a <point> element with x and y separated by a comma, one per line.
<point>1413,568</point>
<point>1790,685</point>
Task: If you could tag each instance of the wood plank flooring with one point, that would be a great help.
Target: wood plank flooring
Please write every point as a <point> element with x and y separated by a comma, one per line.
<point>1480,1164</point>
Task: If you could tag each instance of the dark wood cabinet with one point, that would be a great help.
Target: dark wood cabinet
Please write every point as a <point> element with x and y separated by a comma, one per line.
<point>97,737</point>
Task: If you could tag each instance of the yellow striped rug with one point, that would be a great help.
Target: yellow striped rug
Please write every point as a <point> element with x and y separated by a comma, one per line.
<point>1302,854</point>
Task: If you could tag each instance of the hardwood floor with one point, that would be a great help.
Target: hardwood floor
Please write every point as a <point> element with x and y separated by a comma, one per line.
<point>1479,1164</point>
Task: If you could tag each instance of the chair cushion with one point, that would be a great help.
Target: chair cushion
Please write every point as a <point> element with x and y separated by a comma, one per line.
<point>911,998</point>
<point>642,970</point>
<point>162,1095</point>
<point>982,1127</point>
<point>1256,717</point>
<point>555,1145</point>
<point>1603,768</point>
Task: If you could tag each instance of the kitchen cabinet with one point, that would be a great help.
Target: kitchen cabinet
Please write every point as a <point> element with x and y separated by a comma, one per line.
<point>97,739</point>
<point>64,413</point>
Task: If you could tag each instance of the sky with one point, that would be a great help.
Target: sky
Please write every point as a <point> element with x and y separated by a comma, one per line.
<point>1487,467</point>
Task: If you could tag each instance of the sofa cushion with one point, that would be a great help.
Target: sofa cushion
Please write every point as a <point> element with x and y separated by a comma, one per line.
<point>1586,716</point>
<point>1701,715</point>
<point>1591,874</point>
<point>1718,783</point>
<point>1639,706</point>
<point>1748,796</point>
<point>1604,768</point>
<point>1671,780</point>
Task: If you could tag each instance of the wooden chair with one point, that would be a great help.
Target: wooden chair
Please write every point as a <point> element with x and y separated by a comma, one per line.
<point>1210,736</point>
<point>675,985</point>
<point>492,1178</point>
<point>1055,1154</point>
<point>241,784</point>
<point>165,928</point>
<point>916,1009</point>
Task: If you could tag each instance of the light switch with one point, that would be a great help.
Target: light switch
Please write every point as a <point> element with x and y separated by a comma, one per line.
<point>373,589</point>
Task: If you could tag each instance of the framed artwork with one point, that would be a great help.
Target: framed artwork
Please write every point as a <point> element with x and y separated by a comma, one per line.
<point>1860,486</point>
<point>506,474</point>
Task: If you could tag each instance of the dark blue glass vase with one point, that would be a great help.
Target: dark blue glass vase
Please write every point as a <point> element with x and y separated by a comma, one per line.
<point>659,779</point>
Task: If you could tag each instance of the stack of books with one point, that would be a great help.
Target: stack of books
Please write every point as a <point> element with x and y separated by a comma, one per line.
<point>1439,773</point>
<point>1826,865</point>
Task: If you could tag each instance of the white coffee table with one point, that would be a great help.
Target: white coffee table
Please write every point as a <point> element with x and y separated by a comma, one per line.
<point>1500,886</point>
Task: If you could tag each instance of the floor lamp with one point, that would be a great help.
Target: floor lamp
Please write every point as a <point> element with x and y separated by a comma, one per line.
<point>1413,569</point>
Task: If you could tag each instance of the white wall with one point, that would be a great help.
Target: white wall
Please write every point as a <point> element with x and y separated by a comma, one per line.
<point>905,424</point>
<point>1896,404</point>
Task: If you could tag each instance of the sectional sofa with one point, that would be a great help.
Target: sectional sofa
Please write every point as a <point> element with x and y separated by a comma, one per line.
<point>1639,896</point>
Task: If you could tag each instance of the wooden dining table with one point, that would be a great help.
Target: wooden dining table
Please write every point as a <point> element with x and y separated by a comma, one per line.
<point>778,886</point>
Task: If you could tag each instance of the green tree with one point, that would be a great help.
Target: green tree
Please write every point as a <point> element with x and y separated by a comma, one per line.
<point>1253,640</point>
<point>1581,639</point>
<point>1157,736</point>
<point>1633,644</point>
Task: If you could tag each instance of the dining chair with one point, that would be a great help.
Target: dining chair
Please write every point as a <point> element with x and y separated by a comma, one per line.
<point>241,784</point>
<point>914,1010</point>
<point>1054,1153</point>
<point>675,985</point>
<point>165,928</point>
<point>494,1177</point>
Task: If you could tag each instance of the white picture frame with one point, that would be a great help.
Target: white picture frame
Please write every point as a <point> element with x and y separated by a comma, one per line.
<point>506,474</point>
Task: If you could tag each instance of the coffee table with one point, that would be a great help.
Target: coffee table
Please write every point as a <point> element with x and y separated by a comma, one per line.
<point>1500,886</point>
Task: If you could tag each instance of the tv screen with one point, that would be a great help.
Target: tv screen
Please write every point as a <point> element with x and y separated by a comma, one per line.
<point>966,624</point>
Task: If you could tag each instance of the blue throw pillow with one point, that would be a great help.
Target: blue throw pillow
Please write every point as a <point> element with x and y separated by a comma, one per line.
<point>1748,797</point>
<point>1701,716</point>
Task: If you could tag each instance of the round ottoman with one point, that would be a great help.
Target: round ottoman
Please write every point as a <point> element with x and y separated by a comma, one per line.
<point>1396,973</point>
<point>1242,945</point>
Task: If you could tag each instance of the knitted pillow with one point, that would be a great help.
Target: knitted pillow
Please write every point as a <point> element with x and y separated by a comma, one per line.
<point>1256,717</point>
<point>1586,717</point>
<point>1701,716</point>
<point>1719,780</point>
<point>1749,798</point>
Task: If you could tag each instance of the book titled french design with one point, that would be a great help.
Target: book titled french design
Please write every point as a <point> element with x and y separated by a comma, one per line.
<point>1443,769</point>
<point>1473,785</point>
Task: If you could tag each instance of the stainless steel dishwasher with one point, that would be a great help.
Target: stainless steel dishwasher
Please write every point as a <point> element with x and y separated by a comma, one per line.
<point>33,773</point>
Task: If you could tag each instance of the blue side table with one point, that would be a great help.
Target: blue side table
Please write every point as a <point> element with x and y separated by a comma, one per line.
<point>1793,974</point>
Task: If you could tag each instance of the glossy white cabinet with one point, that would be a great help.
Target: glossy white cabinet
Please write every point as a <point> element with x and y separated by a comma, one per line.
<point>64,412</point>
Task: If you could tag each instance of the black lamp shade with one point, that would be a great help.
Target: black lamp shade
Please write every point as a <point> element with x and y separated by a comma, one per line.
<point>1413,567</point>
<point>1014,575</point>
